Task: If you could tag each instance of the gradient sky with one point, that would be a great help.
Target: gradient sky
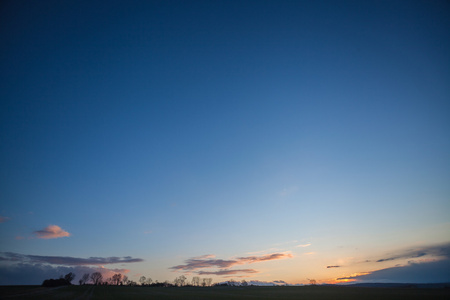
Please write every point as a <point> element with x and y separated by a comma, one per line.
<point>257,140</point>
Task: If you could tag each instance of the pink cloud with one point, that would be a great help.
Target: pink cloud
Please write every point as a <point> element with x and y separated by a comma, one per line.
<point>227,272</point>
<point>253,259</point>
<point>195,263</point>
<point>51,232</point>
<point>208,261</point>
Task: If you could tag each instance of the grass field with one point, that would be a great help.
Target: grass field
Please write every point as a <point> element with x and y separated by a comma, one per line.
<point>304,293</point>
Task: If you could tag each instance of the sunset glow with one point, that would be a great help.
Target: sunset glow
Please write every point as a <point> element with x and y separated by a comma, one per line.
<point>280,142</point>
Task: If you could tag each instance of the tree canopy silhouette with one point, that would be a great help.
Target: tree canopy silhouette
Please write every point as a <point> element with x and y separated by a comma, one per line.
<point>66,280</point>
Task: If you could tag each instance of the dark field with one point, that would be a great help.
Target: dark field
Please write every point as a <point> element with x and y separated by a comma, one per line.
<point>304,293</point>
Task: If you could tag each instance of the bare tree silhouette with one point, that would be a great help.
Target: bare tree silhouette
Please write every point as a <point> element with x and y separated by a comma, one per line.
<point>84,279</point>
<point>196,281</point>
<point>207,281</point>
<point>180,281</point>
<point>96,278</point>
<point>148,281</point>
<point>116,279</point>
<point>69,277</point>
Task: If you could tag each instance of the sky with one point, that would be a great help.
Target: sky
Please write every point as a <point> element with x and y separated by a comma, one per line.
<point>258,140</point>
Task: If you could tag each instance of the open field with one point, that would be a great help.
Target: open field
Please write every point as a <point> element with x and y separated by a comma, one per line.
<point>304,293</point>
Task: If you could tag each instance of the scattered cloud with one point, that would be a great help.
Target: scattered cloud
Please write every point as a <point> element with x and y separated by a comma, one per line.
<point>273,256</point>
<point>23,269</point>
<point>352,277</point>
<point>280,281</point>
<point>227,272</point>
<point>210,261</point>
<point>423,254</point>
<point>195,263</point>
<point>67,260</point>
<point>34,274</point>
<point>3,219</point>
<point>442,250</point>
<point>330,267</point>
<point>430,264</point>
<point>51,232</point>
<point>399,257</point>
<point>425,272</point>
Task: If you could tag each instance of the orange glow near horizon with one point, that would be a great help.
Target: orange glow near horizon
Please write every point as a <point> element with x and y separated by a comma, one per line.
<point>339,280</point>
<point>346,279</point>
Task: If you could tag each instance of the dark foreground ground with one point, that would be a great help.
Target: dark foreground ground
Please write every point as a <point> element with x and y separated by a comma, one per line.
<point>304,293</point>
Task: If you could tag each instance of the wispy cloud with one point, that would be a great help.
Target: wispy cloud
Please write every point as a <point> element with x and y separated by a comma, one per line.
<point>227,272</point>
<point>51,232</point>
<point>18,268</point>
<point>426,272</point>
<point>273,256</point>
<point>420,254</point>
<point>3,219</point>
<point>66,260</point>
<point>424,264</point>
<point>280,281</point>
<point>352,277</point>
<point>402,256</point>
<point>330,267</point>
<point>209,261</point>
<point>435,250</point>
<point>33,274</point>
<point>194,264</point>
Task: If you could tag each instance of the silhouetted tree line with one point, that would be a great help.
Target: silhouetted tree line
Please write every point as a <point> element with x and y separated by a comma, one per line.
<point>66,280</point>
<point>96,278</point>
<point>178,282</point>
<point>232,282</point>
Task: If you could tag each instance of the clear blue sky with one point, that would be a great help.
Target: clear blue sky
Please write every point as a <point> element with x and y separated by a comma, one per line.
<point>314,131</point>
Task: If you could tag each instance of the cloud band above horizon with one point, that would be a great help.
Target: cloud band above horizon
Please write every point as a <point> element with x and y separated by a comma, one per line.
<point>209,261</point>
<point>66,260</point>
